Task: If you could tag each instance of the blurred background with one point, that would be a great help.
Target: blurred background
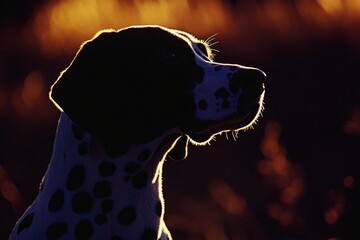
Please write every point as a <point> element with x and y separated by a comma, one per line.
<point>295,176</point>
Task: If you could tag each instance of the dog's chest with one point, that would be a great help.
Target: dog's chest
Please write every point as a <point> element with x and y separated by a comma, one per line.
<point>87,195</point>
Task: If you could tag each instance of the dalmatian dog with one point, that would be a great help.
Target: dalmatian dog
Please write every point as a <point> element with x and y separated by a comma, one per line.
<point>129,100</point>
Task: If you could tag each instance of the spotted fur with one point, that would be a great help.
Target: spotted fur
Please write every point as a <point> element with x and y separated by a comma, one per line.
<point>129,99</point>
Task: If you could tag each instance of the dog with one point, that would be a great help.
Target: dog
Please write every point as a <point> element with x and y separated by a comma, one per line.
<point>130,99</point>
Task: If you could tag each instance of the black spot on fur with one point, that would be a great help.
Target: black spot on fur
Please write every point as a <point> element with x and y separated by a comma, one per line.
<point>225,105</point>
<point>144,155</point>
<point>127,215</point>
<point>83,230</point>
<point>56,230</point>
<point>140,180</point>
<point>218,68</point>
<point>82,202</point>
<point>106,205</point>
<point>203,104</point>
<point>202,48</point>
<point>149,234</point>
<point>76,177</point>
<point>26,222</point>
<point>158,208</point>
<point>56,201</point>
<point>83,148</point>
<point>78,132</point>
<point>222,93</point>
<point>106,169</point>
<point>132,167</point>
<point>102,189</point>
<point>100,219</point>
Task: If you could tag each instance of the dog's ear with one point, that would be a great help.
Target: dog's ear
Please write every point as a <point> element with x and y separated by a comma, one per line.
<point>82,89</point>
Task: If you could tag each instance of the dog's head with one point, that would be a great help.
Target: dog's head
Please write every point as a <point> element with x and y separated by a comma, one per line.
<point>132,85</point>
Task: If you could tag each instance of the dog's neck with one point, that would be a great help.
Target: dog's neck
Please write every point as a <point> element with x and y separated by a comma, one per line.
<point>132,182</point>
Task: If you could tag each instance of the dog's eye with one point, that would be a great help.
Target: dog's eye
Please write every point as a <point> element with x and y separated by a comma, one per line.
<point>204,51</point>
<point>172,58</point>
<point>202,48</point>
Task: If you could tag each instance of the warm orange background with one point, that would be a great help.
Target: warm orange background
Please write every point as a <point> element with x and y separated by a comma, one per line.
<point>295,176</point>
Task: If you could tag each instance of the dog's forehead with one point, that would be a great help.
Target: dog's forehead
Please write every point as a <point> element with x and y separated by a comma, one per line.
<point>151,29</point>
<point>160,34</point>
<point>185,36</point>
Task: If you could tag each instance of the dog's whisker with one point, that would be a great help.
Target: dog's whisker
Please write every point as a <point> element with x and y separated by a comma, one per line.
<point>233,135</point>
<point>212,43</point>
<point>211,38</point>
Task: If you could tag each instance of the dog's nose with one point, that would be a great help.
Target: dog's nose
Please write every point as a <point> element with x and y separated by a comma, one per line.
<point>248,79</point>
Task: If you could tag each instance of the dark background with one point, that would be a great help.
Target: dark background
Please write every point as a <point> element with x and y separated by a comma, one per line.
<point>294,176</point>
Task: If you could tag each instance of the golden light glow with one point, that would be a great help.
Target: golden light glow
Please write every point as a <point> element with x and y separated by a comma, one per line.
<point>331,216</point>
<point>63,25</point>
<point>349,181</point>
<point>10,192</point>
<point>284,215</point>
<point>336,207</point>
<point>352,126</point>
<point>30,95</point>
<point>285,175</point>
<point>291,193</point>
<point>270,146</point>
<point>226,197</point>
<point>32,88</point>
<point>332,6</point>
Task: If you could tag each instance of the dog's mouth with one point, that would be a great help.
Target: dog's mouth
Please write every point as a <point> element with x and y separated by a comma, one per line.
<point>242,120</point>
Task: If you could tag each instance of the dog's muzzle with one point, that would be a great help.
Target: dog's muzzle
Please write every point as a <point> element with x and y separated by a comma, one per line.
<point>251,84</point>
<point>231,99</point>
